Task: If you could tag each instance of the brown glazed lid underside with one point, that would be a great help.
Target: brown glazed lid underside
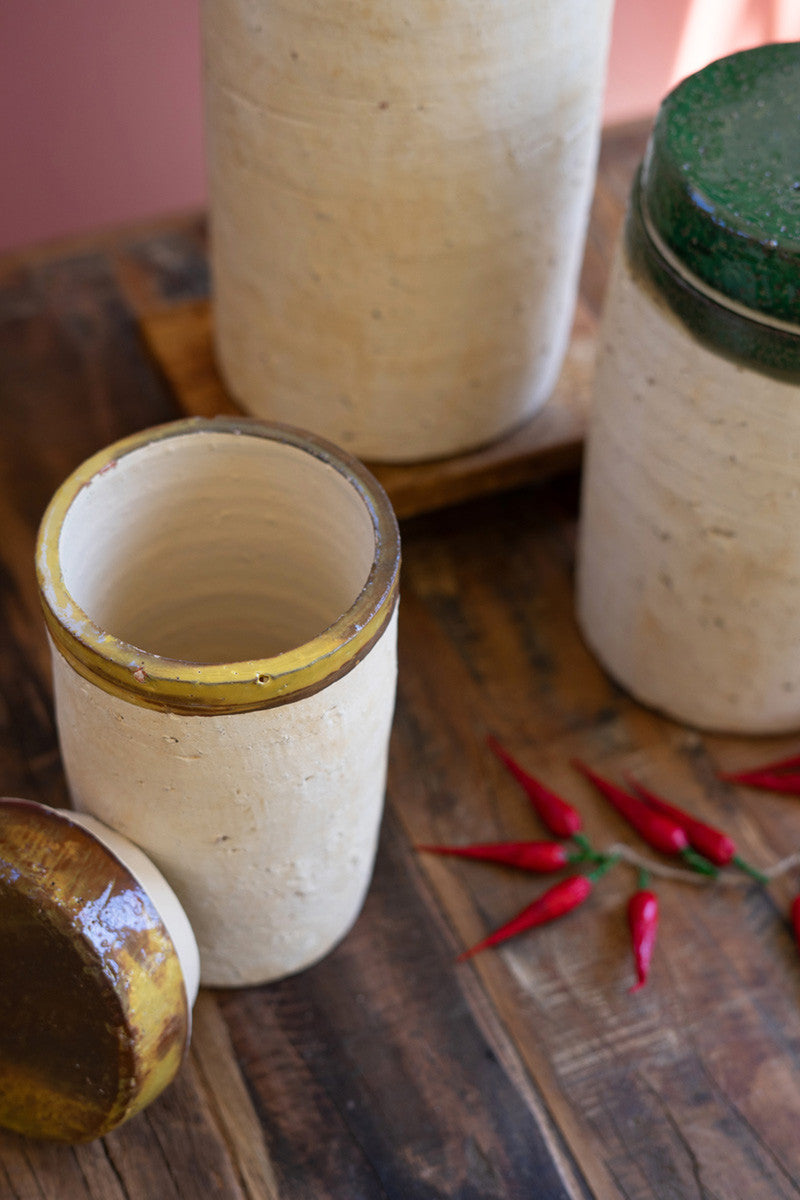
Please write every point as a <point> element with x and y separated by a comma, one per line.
<point>94,1019</point>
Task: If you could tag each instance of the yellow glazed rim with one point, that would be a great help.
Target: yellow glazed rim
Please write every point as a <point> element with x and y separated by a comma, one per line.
<point>173,685</point>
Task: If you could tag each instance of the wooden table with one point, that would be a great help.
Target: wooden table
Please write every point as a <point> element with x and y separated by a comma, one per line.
<point>389,1070</point>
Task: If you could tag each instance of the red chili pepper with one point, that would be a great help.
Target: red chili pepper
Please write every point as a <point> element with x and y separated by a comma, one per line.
<point>660,832</point>
<point>530,856</point>
<point>560,818</point>
<point>712,843</point>
<point>779,764</point>
<point>771,781</point>
<point>556,902</point>
<point>643,923</point>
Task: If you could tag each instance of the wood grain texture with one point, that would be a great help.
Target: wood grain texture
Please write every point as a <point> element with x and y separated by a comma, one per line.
<point>647,1089</point>
<point>389,1070</point>
<point>373,1074</point>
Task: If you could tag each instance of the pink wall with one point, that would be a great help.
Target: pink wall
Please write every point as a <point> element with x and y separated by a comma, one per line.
<point>655,43</point>
<point>100,118</point>
<point>99,114</point>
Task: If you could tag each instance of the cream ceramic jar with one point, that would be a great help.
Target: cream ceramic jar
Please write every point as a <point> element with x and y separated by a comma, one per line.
<point>689,547</point>
<point>221,598</point>
<point>398,202</point>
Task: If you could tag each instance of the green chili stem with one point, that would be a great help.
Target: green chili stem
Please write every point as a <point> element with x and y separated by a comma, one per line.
<point>750,870</point>
<point>697,862</point>
<point>606,862</point>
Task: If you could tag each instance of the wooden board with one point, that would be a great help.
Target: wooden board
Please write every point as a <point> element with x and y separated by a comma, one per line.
<point>180,339</point>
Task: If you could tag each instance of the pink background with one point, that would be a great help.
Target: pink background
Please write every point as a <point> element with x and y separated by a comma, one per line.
<point>100,112</point>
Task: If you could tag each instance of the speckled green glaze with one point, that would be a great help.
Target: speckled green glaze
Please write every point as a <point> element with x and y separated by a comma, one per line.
<point>735,335</point>
<point>721,180</point>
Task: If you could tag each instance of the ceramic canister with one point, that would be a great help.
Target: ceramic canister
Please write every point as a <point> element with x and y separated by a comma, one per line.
<point>689,548</point>
<point>221,599</point>
<point>398,199</point>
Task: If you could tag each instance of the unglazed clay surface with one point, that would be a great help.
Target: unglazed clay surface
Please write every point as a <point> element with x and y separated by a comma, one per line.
<point>689,556</point>
<point>399,193</point>
<point>219,547</point>
<point>265,823</point>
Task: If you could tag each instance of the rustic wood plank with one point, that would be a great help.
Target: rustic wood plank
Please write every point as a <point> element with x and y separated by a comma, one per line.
<point>216,1068</point>
<point>374,1076</point>
<point>621,151</point>
<point>36,1171</point>
<point>647,1089</point>
<point>180,341</point>
<point>159,268</point>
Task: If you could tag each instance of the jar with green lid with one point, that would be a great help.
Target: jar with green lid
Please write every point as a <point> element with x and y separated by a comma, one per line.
<point>688,583</point>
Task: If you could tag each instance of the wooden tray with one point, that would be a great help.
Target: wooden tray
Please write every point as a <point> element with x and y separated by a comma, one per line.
<point>179,338</point>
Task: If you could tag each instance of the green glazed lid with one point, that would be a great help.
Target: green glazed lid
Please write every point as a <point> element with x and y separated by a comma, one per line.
<point>721,178</point>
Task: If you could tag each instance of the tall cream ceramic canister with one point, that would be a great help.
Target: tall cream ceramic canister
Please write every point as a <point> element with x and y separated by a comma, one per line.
<point>399,193</point>
<point>221,600</point>
<point>689,548</point>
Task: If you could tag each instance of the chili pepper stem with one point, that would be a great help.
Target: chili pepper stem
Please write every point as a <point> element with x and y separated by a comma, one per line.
<point>698,863</point>
<point>752,871</point>
<point>582,856</point>
<point>605,863</point>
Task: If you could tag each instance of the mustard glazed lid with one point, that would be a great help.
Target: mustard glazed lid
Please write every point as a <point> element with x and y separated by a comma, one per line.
<point>94,1012</point>
<point>720,184</point>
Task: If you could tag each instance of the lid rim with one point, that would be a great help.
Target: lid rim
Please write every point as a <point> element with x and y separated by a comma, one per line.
<point>771,348</point>
<point>717,127</point>
<point>79,887</point>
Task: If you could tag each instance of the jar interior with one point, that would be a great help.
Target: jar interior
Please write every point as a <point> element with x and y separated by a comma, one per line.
<point>215,547</point>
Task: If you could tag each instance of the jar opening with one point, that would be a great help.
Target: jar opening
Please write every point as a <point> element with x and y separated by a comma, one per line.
<point>216,549</point>
<point>217,565</point>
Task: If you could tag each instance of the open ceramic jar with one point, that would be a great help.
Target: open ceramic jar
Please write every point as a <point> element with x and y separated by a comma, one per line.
<point>221,601</point>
